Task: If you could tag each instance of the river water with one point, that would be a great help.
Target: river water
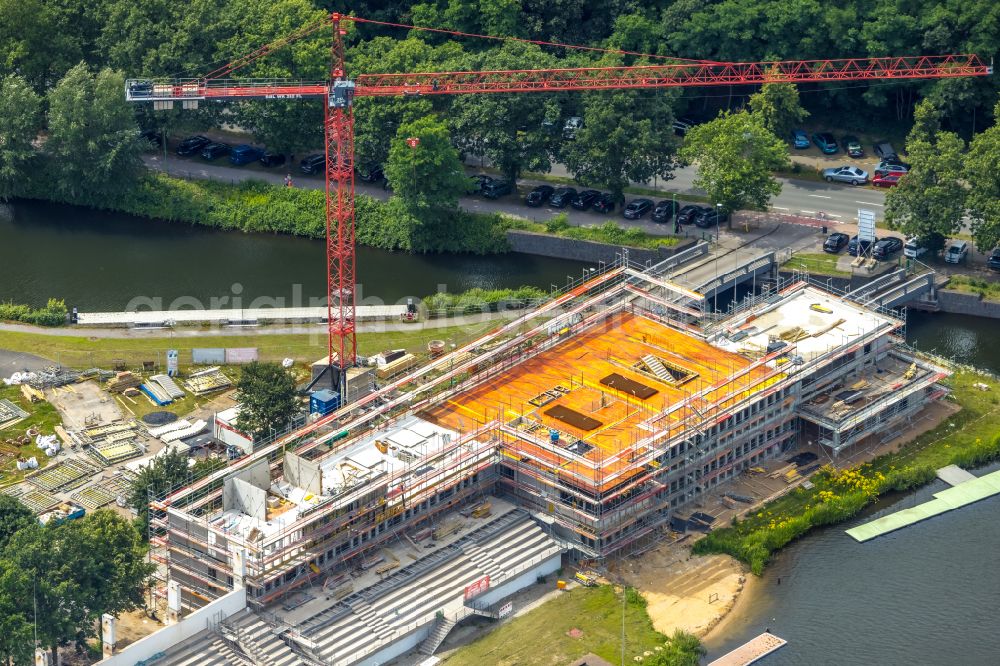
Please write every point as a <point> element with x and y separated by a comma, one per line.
<point>98,261</point>
<point>928,594</point>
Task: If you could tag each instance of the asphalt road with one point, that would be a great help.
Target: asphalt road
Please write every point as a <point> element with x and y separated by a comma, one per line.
<point>839,203</point>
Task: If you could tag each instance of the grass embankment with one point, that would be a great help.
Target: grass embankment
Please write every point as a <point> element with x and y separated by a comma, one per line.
<point>819,263</point>
<point>545,635</point>
<point>970,285</point>
<point>42,416</point>
<point>609,232</point>
<point>970,438</point>
<point>83,352</point>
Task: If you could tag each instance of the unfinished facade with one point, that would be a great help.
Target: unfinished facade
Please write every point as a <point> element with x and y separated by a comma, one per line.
<point>601,413</point>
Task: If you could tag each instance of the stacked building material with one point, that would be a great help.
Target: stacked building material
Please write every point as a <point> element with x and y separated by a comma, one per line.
<point>122,381</point>
<point>169,386</point>
<point>207,381</point>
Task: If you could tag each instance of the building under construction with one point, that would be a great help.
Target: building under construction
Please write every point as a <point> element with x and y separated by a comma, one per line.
<point>595,416</point>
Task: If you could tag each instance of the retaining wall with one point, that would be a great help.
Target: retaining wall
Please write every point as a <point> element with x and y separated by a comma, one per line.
<point>558,247</point>
<point>958,302</point>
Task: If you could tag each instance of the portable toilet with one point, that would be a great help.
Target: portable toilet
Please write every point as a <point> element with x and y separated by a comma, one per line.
<point>323,402</point>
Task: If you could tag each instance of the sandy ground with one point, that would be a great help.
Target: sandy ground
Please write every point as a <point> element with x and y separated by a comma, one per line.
<point>684,591</point>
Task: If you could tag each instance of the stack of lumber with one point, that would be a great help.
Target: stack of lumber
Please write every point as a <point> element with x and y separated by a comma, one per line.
<point>122,381</point>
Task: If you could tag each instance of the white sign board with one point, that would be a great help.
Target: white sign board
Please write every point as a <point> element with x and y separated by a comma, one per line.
<point>866,225</point>
<point>505,610</point>
<point>172,359</point>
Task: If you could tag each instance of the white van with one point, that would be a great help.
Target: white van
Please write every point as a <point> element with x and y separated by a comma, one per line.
<point>913,248</point>
<point>957,251</point>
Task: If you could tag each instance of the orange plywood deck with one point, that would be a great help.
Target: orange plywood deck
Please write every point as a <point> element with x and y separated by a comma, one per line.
<point>580,363</point>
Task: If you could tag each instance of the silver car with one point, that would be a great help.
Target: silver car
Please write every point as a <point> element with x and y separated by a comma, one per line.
<point>846,174</point>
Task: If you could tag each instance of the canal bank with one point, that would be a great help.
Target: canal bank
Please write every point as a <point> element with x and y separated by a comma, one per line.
<point>45,248</point>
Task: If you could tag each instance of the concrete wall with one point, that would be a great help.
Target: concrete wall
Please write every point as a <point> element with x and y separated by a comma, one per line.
<point>957,302</point>
<point>582,250</point>
<point>175,634</point>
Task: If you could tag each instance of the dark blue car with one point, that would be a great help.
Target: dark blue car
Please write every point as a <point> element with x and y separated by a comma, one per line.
<point>244,154</point>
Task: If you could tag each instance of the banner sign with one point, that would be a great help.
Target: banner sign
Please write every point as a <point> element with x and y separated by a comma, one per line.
<point>477,588</point>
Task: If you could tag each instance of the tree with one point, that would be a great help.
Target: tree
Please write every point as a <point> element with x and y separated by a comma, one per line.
<point>508,129</point>
<point>982,173</point>
<point>14,517</point>
<point>266,396</point>
<point>94,148</point>
<point>930,200</point>
<point>19,125</point>
<point>426,175</point>
<point>736,157</point>
<point>625,138</point>
<point>778,106</point>
<point>16,644</point>
<point>164,474</point>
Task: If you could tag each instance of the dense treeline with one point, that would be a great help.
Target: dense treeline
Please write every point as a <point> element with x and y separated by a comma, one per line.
<point>56,580</point>
<point>63,62</point>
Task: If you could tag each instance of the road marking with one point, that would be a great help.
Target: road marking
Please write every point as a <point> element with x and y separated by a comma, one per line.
<point>779,208</point>
<point>869,203</point>
<point>808,212</point>
<point>832,215</point>
<point>820,196</point>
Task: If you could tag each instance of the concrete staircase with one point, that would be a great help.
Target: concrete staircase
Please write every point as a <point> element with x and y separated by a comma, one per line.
<point>484,561</point>
<point>442,626</point>
<point>657,368</point>
<point>372,619</point>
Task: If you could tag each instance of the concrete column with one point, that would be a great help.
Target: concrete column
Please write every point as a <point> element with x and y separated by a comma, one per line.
<point>173,602</point>
<point>109,634</point>
<point>239,568</point>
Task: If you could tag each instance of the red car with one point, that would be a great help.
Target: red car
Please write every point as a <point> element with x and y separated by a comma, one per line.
<point>887,179</point>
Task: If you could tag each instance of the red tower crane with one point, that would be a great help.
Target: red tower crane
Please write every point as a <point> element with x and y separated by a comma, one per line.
<point>340,90</point>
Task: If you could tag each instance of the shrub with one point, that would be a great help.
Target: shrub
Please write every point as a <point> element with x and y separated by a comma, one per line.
<point>53,314</point>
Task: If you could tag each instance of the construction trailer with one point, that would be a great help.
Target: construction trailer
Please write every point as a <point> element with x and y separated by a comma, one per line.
<point>603,412</point>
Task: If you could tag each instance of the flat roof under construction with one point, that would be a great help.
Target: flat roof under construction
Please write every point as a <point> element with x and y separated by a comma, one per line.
<point>605,389</point>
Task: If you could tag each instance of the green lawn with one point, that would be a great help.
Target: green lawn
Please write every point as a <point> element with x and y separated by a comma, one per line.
<point>540,637</point>
<point>967,439</point>
<point>84,352</point>
<point>988,289</point>
<point>43,416</point>
<point>819,263</point>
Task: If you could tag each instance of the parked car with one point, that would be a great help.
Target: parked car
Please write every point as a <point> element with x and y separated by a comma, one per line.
<point>585,199</point>
<point>710,217</point>
<point>800,139</point>
<point>893,165</point>
<point>852,146</point>
<point>214,151</point>
<point>884,150</point>
<point>665,211</point>
<point>153,137</point>
<point>835,242</point>
<point>192,145</point>
<point>887,247</point>
<point>957,251</point>
<point>497,188</point>
<point>605,203</point>
<point>272,160</point>
<point>887,178</point>
<point>244,154</point>
<point>683,125</point>
<point>539,195</point>
<point>993,261</point>
<point>914,247</point>
<point>573,123</point>
<point>140,88</point>
<point>562,197</point>
<point>825,142</point>
<point>687,214</point>
<point>637,208</point>
<point>846,174</point>
<point>856,246</point>
<point>313,164</point>
<point>371,173</point>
